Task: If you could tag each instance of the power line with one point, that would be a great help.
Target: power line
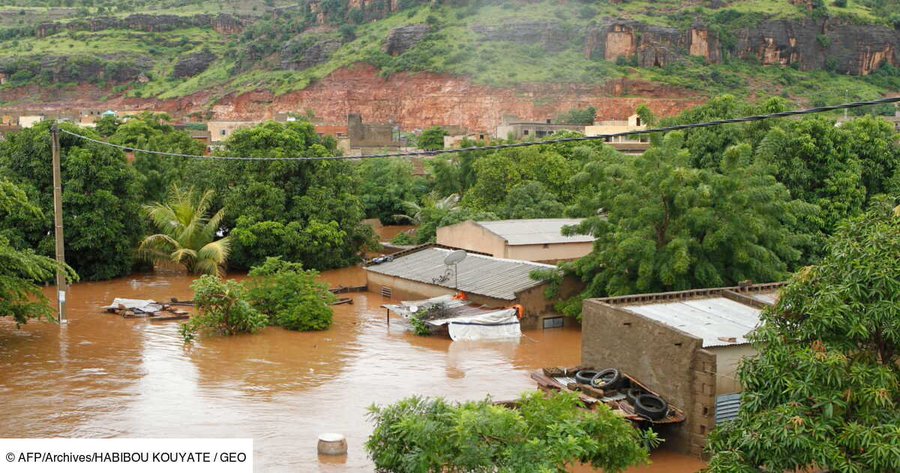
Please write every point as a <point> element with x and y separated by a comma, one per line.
<point>413,154</point>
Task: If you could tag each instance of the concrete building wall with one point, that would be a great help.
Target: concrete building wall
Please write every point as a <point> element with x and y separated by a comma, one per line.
<point>221,131</point>
<point>473,237</point>
<point>28,121</point>
<point>668,361</point>
<point>549,253</point>
<point>369,135</point>
<point>728,360</point>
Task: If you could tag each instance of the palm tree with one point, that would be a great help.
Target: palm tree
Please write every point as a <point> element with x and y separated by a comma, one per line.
<point>418,212</point>
<point>186,236</point>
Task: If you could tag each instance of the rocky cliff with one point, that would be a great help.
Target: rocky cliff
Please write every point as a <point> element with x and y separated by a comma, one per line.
<point>438,100</point>
<point>806,44</point>
<point>223,23</point>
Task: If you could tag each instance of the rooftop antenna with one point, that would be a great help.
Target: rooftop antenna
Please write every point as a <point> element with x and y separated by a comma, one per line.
<point>454,259</point>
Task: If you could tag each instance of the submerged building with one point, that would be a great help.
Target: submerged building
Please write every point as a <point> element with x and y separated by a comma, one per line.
<point>422,273</point>
<point>684,345</point>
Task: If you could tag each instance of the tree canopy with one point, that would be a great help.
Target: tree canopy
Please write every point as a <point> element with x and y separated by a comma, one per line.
<point>544,433</point>
<point>188,233</point>
<point>101,199</point>
<point>432,139</point>
<point>306,212</point>
<point>823,391</point>
<point>662,225</point>
<point>21,270</point>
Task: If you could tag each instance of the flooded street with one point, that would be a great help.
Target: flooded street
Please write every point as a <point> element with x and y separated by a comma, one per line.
<point>105,376</point>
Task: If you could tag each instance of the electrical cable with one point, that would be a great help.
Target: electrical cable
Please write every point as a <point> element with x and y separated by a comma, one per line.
<point>413,154</point>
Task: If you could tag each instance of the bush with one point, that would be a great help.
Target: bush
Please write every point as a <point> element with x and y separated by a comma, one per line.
<point>544,433</point>
<point>291,297</point>
<point>222,309</point>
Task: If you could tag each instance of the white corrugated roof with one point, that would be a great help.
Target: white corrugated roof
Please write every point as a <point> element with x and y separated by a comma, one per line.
<point>715,319</point>
<point>535,231</point>
<point>483,275</point>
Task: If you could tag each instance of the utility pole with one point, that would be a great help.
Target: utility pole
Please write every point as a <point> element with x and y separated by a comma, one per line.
<point>58,225</point>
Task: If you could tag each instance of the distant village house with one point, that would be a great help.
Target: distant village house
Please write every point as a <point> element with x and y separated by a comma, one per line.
<point>523,131</point>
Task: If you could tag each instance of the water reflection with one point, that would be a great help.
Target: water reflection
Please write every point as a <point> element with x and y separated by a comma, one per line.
<point>104,376</point>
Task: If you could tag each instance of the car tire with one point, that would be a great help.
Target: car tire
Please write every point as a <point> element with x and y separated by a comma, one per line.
<point>651,407</point>
<point>607,379</point>
<point>585,376</point>
<point>632,394</point>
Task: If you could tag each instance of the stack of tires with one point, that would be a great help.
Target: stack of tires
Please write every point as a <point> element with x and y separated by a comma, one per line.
<point>645,404</point>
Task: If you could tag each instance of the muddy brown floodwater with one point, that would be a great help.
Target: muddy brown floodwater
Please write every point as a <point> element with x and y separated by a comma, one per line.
<point>104,376</point>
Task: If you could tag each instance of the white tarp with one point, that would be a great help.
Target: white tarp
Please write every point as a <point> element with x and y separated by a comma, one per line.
<point>137,305</point>
<point>465,322</point>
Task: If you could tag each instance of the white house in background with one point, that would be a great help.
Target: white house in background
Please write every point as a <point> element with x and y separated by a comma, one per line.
<point>609,127</point>
<point>28,121</point>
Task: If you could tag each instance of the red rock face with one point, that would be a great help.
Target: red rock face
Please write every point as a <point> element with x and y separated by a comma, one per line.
<point>413,101</point>
<point>422,100</point>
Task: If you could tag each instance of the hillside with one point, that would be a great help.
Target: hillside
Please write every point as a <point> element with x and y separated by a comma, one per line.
<point>423,62</point>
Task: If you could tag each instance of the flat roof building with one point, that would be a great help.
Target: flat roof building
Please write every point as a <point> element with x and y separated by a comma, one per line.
<point>219,131</point>
<point>539,240</point>
<point>520,130</point>
<point>420,273</point>
<point>684,345</point>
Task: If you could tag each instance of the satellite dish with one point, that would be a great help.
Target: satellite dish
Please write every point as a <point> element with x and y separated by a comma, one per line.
<point>455,257</point>
<point>413,308</point>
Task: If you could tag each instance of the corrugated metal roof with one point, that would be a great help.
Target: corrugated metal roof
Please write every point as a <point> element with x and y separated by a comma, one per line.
<point>716,320</point>
<point>483,275</point>
<point>535,231</point>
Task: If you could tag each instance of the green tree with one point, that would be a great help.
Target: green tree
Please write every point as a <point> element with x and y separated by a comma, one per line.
<point>107,125</point>
<point>662,225</point>
<point>822,393</point>
<point>578,116</point>
<point>319,198</point>
<point>187,235</point>
<point>432,139</point>
<point>544,433</point>
<point>531,199</point>
<point>21,270</point>
<point>152,132</point>
<point>291,297</point>
<point>101,208</point>
<point>812,158</point>
<point>707,144</point>
<point>385,185</point>
<point>222,309</point>
<point>873,141</point>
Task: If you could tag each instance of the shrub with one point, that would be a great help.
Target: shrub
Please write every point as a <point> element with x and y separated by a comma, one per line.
<point>291,297</point>
<point>221,309</point>
<point>544,433</point>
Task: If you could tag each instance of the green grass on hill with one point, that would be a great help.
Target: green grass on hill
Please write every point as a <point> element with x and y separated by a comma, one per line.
<point>453,48</point>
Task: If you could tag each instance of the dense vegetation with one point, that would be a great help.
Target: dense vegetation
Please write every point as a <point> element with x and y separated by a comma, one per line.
<point>544,433</point>
<point>277,293</point>
<point>703,207</point>
<point>822,393</point>
<point>287,45</point>
<point>21,270</point>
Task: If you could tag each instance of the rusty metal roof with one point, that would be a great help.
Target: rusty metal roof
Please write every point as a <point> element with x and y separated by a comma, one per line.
<point>483,275</point>
<point>718,321</point>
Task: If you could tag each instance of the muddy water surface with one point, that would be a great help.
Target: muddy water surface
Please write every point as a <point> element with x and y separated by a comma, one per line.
<point>104,376</point>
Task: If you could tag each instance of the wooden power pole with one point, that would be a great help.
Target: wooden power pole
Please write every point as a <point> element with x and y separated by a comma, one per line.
<point>58,225</point>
